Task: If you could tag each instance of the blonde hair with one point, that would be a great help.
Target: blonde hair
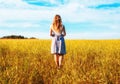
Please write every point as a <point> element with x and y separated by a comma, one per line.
<point>57,23</point>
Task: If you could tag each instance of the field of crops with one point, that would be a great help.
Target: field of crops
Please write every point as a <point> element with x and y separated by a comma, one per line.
<point>86,62</point>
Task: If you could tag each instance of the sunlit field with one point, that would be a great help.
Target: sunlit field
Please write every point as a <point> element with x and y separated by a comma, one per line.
<point>86,62</point>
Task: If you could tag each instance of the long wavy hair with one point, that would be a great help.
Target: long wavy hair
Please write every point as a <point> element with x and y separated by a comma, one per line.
<point>57,22</point>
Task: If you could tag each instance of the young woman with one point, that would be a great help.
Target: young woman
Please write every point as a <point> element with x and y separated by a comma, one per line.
<point>57,31</point>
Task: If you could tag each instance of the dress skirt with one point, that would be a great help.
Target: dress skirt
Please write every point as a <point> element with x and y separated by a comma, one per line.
<point>58,45</point>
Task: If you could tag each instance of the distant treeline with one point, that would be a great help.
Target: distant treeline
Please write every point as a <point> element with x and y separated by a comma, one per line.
<point>16,37</point>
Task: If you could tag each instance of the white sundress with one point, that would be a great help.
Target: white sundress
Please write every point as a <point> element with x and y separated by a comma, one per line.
<point>58,44</point>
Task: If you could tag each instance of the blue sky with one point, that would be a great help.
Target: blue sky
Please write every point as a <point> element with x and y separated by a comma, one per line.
<point>83,19</point>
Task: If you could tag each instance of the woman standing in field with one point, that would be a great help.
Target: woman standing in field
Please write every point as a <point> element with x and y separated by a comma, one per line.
<point>57,31</point>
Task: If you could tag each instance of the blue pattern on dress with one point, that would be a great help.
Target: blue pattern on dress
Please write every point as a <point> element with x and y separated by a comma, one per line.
<point>58,44</point>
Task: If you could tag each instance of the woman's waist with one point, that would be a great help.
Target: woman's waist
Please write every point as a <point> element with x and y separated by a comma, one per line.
<point>58,37</point>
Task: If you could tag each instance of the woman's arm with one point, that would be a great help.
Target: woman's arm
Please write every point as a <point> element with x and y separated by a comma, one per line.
<point>51,32</point>
<point>64,31</point>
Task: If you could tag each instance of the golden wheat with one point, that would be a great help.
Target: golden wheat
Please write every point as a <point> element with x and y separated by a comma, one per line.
<point>86,62</point>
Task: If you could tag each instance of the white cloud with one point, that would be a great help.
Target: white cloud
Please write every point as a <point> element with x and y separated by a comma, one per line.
<point>84,35</point>
<point>40,35</point>
<point>6,14</point>
<point>114,26</point>
<point>74,11</point>
<point>10,3</point>
<point>96,2</point>
<point>93,35</point>
<point>53,1</point>
<point>19,25</point>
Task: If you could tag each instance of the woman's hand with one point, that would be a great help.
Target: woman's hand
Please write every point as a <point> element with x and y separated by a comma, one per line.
<point>52,35</point>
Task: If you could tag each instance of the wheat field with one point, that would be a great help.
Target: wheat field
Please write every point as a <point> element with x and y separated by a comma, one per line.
<point>86,62</point>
